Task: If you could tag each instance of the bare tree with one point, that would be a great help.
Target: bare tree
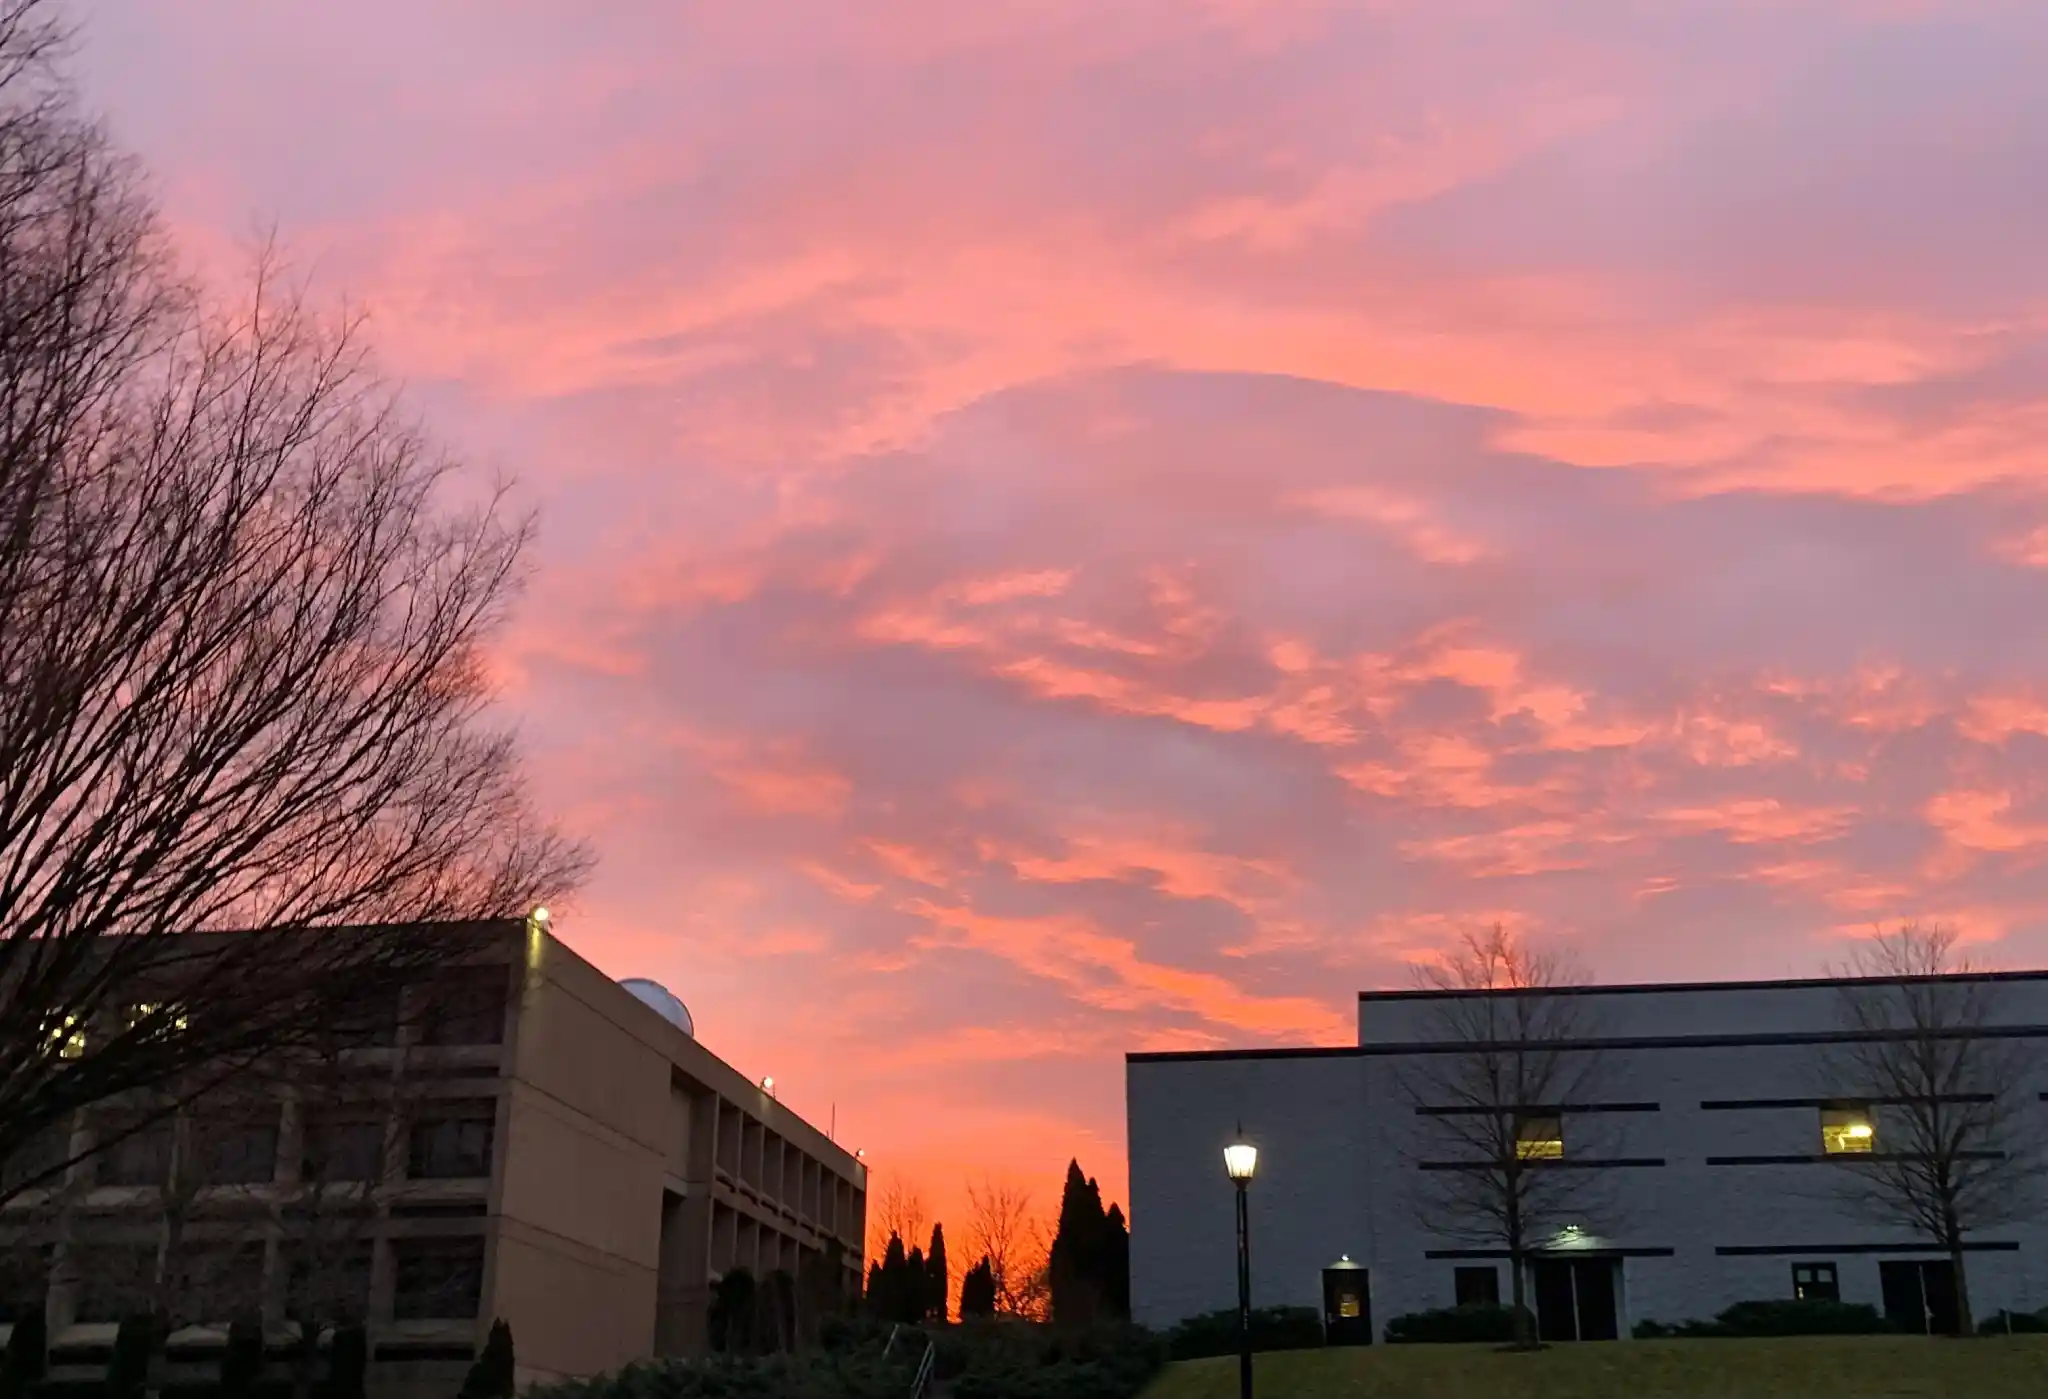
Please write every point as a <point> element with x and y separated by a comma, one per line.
<point>243,606</point>
<point>1003,1229</point>
<point>1493,1163</point>
<point>1954,1142</point>
<point>899,1209</point>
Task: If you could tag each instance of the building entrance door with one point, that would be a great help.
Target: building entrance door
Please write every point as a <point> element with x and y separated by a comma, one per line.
<point>1347,1305</point>
<point>1919,1294</point>
<point>1577,1299</point>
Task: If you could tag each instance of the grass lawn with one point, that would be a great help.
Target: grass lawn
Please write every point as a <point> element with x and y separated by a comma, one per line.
<point>1812,1367</point>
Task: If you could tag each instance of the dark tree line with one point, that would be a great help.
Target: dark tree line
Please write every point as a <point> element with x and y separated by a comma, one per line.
<point>910,1287</point>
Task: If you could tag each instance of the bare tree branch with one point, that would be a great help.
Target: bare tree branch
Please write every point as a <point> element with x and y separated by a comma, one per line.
<point>1956,1144</point>
<point>1485,1165</point>
<point>242,623</point>
<point>1004,1229</point>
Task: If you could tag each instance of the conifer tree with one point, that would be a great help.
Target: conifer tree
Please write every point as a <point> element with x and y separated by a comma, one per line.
<point>910,1295</point>
<point>494,1374</point>
<point>1077,1264</point>
<point>1116,1265</point>
<point>978,1292</point>
<point>938,1291</point>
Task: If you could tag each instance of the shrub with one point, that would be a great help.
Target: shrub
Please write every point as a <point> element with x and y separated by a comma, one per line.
<point>241,1363</point>
<point>1273,1328</point>
<point>2016,1323</point>
<point>348,1363</point>
<point>494,1373</point>
<point>1477,1322</point>
<point>1775,1316</point>
<point>28,1354</point>
<point>128,1367</point>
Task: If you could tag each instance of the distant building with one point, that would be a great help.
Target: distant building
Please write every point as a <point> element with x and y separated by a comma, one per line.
<point>1715,1140</point>
<point>566,1156</point>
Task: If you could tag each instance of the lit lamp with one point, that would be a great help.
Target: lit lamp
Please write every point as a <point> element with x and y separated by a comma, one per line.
<point>1240,1161</point>
<point>768,1085</point>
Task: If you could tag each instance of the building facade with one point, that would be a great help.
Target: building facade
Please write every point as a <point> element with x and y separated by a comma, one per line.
<point>1716,1132</point>
<point>523,1138</point>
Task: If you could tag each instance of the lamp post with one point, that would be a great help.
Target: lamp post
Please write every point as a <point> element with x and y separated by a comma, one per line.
<point>1240,1160</point>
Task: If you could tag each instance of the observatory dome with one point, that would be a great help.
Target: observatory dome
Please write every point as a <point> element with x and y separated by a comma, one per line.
<point>665,1002</point>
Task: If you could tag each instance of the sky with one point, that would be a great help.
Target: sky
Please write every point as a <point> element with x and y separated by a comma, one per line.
<point>1083,526</point>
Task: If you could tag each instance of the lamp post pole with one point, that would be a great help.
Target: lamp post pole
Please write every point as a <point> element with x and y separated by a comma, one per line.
<point>1240,1160</point>
<point>1244,1296</point>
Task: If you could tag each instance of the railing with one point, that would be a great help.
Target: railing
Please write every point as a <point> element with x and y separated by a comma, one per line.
<point>925,1363</point>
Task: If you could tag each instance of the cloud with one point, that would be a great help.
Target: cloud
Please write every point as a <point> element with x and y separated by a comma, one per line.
<point>1073,527</point>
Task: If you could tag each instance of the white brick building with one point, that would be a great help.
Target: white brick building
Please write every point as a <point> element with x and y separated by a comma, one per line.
<point>1709,1132</point>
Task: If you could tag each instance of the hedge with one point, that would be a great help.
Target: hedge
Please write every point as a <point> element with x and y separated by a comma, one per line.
<point>1273,1328</point>
<point>1776,1316</point>
<point>1475,1322</point>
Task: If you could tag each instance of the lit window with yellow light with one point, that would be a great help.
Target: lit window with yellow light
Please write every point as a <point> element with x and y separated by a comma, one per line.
<point>1539,1138</point>
<point>145,1010</point>
<point>1847,1131</point>
<point>67,1037</point>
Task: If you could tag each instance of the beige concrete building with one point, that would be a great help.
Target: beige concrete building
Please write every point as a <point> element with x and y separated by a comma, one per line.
<point>565,1156</point>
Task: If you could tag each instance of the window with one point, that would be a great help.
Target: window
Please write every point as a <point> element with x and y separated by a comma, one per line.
<point>113,1280</point>
<point>1815,1282</point>
<point>1539,1137</point>
<point>342,1147</point>
<point>1478,1287</point>
<point>66,1035</point>
<point>328,1277</point>
<point>217,1282</point>
<point>1847,1130</point>
<point>468,1008</point>
<point>437,1279</point>
<point>454,1143</point>
<point>233,1150</point>
<point>141,1157</point>
<point>157,1017</point>
<point>38,1162</point>
<point>24,1281</point>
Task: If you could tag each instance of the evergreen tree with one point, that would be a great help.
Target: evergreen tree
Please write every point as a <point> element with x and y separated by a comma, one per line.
<point>911,1301</point>
<point>938,1292</point>
<point>1116,1259</point>
<point>872,1298</point>
<point>978,1292</point>
<point>730,1317</point>
<point>1077,1267</point>
<point>494,1374</point>
<point>241,1362</point>
<point>28,1354</point>
<point>348,1363</point>
<point>886,1286</point>
<point>128,1367</point>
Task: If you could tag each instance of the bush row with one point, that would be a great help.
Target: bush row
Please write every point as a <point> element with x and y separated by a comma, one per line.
<point>1777,1316</point>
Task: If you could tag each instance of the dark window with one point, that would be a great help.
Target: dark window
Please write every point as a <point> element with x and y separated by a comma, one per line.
<point>342,1147</point>
<point>1815,1282</point>
<point>329,1278</point>
<point>233,1150</point>
<point>138,1157</point>
<point>437,1279</point>
<point>113,1280</point>
<point>217,1282</point>
<point>468,1008</point>
<point>24,1281</point>
<point>37,1163</point>
<point>453,1143</point>
<point>1478,1287</point>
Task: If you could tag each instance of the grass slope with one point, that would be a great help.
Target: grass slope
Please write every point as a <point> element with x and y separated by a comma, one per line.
<point>1838,1367</point>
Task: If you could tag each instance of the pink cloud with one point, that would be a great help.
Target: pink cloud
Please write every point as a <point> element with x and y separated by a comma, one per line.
<point>1082,527</point>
